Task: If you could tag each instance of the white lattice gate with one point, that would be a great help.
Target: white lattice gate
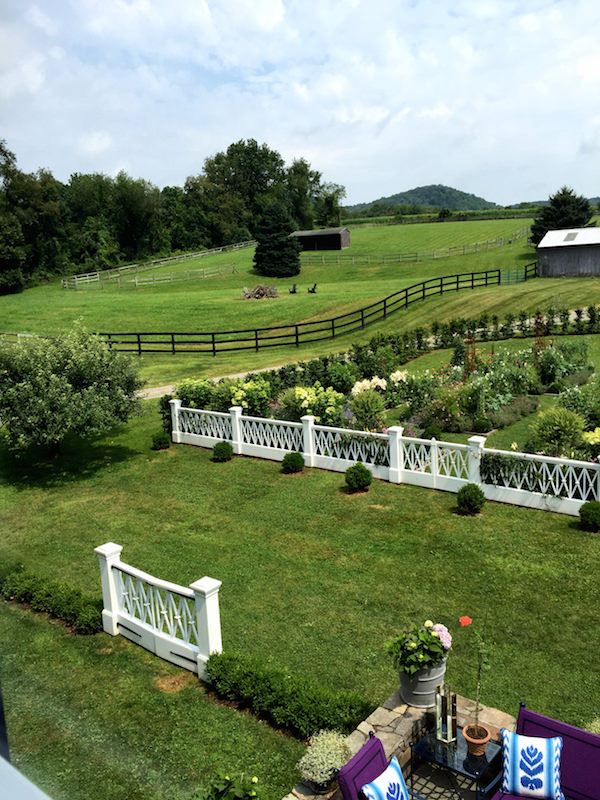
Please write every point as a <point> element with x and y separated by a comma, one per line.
<point>181,625</point>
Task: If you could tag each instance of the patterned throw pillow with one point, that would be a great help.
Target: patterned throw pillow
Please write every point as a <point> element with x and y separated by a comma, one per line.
<point>389,785</point>
<point>531,765</point>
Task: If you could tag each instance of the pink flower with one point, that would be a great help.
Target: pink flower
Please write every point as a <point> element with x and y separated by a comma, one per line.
<point>444,635</point>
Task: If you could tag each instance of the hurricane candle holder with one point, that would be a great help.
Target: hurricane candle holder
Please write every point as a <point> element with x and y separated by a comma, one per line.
<point>445,713</point>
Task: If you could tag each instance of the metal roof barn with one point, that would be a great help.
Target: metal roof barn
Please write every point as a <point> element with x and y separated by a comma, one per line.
<point>324,239</point>
<point>570,252</point>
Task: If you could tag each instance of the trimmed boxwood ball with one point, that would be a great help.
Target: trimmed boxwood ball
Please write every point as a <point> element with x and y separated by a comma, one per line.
<point>161,441</point>
<point>292,462</point>
<point>358,478</point>
<point>432,432</point>
<point>589,516</point>
<point>470,499</point>
<point>222,451</point>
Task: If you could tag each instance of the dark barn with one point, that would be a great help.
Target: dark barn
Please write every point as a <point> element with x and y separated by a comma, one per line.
<point>325,239</point>
<point>573,252</point>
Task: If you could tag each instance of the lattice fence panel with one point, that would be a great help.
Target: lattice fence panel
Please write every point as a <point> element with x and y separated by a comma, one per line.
<point>571,481</point>
<point>453,461</point>
<point>204,423</point>
<point>166,612</point>
<point>369,448</point>
<point>417,456</point>
<point>268,433</point>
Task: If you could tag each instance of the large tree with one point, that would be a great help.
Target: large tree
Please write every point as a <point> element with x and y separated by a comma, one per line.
<point>565,210</point>
<point>69,385</point>
<point>277,254</point>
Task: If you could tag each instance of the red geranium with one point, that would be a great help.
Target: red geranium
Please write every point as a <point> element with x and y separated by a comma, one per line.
<point>464,621</point>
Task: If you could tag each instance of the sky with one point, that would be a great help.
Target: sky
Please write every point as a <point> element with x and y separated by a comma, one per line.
<point>493,97</point>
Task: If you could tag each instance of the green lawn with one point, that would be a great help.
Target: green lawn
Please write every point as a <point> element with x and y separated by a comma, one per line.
<point>312,577</point>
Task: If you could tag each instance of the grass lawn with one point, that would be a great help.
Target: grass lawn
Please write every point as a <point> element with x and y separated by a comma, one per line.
<point>312,577</point>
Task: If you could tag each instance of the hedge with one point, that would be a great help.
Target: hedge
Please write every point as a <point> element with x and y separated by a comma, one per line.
<point>285,701</point>
<point>60,600</point>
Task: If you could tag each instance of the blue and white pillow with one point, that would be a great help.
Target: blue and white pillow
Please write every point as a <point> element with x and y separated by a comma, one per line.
<point>531,765</point>
<point>389,785</point>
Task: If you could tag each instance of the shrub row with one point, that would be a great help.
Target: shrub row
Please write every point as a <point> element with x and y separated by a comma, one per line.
<point>60,600</point>
<point>285,701</point>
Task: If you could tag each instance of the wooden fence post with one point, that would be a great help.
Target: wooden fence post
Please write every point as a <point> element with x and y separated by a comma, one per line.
<point>476,445</point>
<point>109,555</point>
<point>208,620</point>
<point>308,423</point>
<point>175,432</point>
<point>236,430</point>
<point>396,453</point>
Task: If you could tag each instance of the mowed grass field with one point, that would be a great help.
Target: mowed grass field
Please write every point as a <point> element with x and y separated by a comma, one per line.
<point>314,579</point>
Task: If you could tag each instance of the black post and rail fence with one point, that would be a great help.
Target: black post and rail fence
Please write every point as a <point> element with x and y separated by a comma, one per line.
<point>295,334</point>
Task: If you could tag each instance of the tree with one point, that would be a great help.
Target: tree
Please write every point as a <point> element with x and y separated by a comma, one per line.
<point>302,188</point>
<point>328,212</point>
<point>69,385</point>
<point>277,254</point>
<point>565,210</point>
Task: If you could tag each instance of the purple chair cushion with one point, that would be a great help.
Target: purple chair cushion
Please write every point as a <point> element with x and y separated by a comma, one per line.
<point>364,767</point>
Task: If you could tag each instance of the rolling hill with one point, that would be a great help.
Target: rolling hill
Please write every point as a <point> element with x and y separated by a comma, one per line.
<point>434,196</point>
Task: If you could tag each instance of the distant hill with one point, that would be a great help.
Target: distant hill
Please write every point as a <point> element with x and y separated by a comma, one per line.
<point>433,196</point>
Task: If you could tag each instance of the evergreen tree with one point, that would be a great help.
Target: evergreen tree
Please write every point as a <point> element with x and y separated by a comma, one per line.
<point>566,210</point>
<point>277,254</point>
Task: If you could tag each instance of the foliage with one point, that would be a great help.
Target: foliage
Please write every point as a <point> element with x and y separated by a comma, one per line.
<point>56,598</point>
<point>557,431</point>
<point>292,463</point>
<point>252,395</point>
<point>224,786</point>
<point>565,210</point>
<point>277,254</point>
<point>496,469</point>
<point>432,432</point>
<point>195,393</point>
<point>284,700</point>
<point>470,499</point>
<point>584,400</point>
<point>222,451</point>
<point>325,404</point>
<point>71,384</point>
<point>161,441</point>
<point>164,409</point>
<point>326,752</point>
<point>419,647</point>
<point>589,516</point>
<point>367,407</point>
<point>358,477</point>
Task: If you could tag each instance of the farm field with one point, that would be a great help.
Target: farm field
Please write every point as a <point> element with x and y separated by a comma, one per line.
<point>351,571</point>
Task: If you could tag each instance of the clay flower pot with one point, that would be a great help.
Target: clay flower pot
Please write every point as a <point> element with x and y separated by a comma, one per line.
<point>476,738</point>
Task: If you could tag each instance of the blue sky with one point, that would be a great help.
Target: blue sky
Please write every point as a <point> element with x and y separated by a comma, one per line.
<point>494,97</point>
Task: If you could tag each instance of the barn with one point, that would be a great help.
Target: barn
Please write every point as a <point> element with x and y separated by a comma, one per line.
<point>324,239</point>
<point>570,252</point>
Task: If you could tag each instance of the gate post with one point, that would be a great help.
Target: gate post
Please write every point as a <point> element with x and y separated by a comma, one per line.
<point>236,430</point>
<point>476,445</point>
<point>109,555</point>
<point>208,620</point>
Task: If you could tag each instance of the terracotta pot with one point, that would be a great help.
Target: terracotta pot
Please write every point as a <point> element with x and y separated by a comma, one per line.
<point>476,746</point>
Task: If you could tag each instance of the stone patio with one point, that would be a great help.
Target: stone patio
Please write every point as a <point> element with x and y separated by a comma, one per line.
<point>397,724</point>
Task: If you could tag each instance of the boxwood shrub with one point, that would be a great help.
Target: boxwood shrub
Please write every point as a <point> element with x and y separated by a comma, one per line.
<point>589,516</point>
<point>292,462</point>
<point>358,477</point>
<point>60,600</point>
<point>222,451</point>
<point>285,701</point>
<point>470,499</point>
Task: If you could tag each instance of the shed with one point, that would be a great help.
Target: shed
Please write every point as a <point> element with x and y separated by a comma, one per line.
<point>324,239</point>
<point>569,252</point>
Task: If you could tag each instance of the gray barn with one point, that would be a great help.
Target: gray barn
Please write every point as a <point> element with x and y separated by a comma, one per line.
<point>571,252</point>
<point>324,239</point>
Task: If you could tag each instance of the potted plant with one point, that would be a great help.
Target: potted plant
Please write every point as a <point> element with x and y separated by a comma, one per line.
<point>327,751</point>
<point>419,654</point>
<point>476,734</point>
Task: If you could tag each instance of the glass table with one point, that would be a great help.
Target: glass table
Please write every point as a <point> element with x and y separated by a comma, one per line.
<point>483,771</point>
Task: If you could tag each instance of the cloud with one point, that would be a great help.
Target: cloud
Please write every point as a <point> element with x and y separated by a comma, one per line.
<point>497,98</point>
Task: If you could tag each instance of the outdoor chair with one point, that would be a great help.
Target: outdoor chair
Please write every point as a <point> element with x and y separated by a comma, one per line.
<point>293,289</point>
<point>363,768</point>
<point>313,289</point>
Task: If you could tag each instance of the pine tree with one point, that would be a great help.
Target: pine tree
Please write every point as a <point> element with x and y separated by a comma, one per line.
<point>566,210</point>
<point>276,255</point>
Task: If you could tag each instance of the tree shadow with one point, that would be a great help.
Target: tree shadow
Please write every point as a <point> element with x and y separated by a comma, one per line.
<point>77,460</point>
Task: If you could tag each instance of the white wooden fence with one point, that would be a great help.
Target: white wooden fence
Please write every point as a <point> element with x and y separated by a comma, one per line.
<point>181,625</point>
<point>533,481</point>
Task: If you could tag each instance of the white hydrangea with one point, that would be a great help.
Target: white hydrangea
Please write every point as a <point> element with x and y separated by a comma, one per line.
<point>400,376</point>
<point>378,383</point>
